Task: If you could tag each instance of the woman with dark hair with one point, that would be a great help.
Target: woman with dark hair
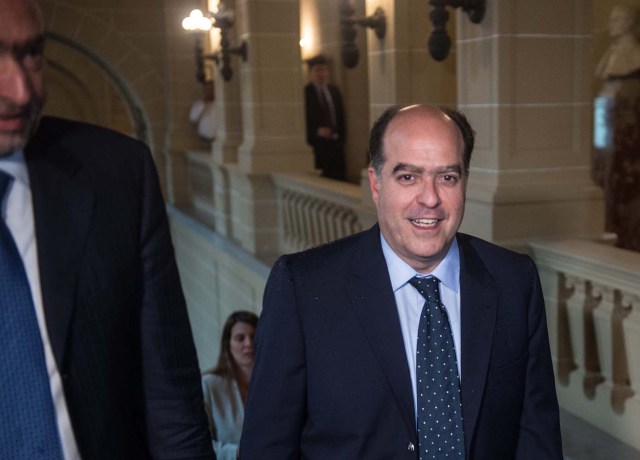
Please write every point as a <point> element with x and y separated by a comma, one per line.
<point>226,386</point>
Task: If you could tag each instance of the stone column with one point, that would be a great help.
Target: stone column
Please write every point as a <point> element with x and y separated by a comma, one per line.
<point>525,84</point>
<point>400,69</point>
<point>229,132</point>
<point>272,117</point>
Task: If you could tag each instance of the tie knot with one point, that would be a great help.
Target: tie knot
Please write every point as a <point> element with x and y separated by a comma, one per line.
<point>5,180</point>
<point>428,287</point>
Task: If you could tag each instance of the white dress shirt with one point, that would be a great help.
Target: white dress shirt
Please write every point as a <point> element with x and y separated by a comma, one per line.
<point>410,302</point>
<point>17,210</point>
<point>224,408</point>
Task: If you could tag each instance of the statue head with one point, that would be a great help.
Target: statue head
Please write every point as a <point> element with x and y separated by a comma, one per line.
<point>622,20</point>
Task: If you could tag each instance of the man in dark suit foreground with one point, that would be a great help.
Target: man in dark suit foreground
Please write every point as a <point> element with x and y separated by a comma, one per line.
<point>98,360</point>
<point>324,118</point>
<point>339,348</point>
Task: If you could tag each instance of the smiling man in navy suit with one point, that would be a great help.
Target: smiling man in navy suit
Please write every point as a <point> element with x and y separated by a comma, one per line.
<point>100,362</point>
<point>342,333</point>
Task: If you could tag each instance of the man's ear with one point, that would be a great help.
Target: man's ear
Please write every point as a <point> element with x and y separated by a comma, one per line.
<point>373,184</point>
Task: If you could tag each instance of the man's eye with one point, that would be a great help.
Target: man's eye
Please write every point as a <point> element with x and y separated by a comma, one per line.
<point>31,56</point>
<point>450,179</point>
<point>405,178</point>
<point>33,61</point>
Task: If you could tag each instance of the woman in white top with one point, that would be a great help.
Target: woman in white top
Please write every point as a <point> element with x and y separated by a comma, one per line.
<point>226,386</point>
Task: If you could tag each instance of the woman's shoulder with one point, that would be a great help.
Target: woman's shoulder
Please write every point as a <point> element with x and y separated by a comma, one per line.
<point>215,381</point>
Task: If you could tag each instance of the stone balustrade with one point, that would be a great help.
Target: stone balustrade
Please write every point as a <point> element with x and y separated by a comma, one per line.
<point>592,291</point>
<point>313,211</point>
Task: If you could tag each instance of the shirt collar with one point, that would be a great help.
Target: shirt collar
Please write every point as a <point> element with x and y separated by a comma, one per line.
<point>16,166</point>
<point>447,271</point>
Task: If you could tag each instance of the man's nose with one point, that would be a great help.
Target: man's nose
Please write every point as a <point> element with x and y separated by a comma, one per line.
<point>14,81</point>
<point>428,194</point>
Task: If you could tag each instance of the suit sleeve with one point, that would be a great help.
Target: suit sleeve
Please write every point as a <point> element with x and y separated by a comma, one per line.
<point>539,424</point>
<point>309,118</point>
<point>339,107</point>
<point>276,408</point>
<point>176,423</point>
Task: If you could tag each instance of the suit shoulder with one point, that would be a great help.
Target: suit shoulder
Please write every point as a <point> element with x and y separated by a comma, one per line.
<point>85,138</point>
<point>329,256</point>
<point>491,253</point>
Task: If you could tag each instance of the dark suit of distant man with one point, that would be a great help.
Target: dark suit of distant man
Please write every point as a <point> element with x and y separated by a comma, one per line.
<point>332,379</point>
<point>325,123</point>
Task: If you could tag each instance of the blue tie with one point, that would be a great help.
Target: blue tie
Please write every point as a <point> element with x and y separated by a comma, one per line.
<point>440,431</point>
<point>28,429</point>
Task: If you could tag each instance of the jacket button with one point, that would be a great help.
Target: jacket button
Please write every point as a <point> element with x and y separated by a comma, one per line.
<point>411,447</point>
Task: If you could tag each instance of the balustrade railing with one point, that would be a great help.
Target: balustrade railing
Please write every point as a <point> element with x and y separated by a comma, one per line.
<point>313,211</point>
<point>592,292</point>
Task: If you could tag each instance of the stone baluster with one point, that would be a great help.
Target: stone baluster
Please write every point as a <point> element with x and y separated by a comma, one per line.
<point>603,321</point>
<point>631,328</point>
<point>575,314</point>
<point>580,308</point>
<point>620,363</point>
<point>565,361</point>
<point>593,374</point>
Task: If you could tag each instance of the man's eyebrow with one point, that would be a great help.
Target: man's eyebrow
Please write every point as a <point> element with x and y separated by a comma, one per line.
<point>408,168</point>
<point>34,43</point>
<point>451,168</point>
<point>419,169</point>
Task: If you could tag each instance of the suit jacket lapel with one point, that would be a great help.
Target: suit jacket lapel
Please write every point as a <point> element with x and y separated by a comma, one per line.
<point>370,291</point>
<point>62,208</point>
<point>479,302</point>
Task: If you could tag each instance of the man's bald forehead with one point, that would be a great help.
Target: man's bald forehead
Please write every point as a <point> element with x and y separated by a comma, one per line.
<point>418,114</point>
<point>421,110</point>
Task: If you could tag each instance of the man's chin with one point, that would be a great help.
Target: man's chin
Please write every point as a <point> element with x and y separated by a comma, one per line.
<point>11,142</point>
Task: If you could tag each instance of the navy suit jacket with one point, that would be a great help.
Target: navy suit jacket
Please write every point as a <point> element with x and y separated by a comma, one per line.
<point>332,381</point>
<point>114,308</point>
<point>314,115</point>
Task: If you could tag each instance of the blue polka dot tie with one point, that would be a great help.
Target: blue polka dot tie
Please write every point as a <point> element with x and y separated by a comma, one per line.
<point>28,428</point>
<point>440,432</point>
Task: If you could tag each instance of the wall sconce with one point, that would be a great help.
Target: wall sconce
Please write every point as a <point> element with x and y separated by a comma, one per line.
<point>222,19</point>
<point>439,41</point>
<point>377,22</point>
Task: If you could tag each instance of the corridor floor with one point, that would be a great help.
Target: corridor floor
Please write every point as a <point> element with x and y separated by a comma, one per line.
<point>583,441</point>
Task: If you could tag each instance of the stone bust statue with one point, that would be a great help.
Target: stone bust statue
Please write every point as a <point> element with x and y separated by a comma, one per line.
<point>616,153</point>
<point>622,58</point>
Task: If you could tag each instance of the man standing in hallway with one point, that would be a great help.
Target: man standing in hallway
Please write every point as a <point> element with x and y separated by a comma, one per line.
<point>97,355</point>
<point>324,115</point>
<point>408,340</point>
